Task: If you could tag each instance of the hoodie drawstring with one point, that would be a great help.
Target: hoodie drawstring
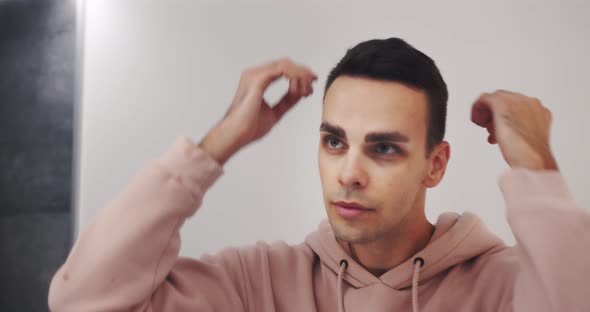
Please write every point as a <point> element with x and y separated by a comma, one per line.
<point>343,266</point>
<point>418,264</point>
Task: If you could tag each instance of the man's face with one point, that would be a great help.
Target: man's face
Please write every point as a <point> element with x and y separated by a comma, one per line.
<point>372,154</point>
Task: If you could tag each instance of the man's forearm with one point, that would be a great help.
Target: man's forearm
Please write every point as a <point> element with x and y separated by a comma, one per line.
<point>131,243</point>
<point>220,144</point>
<point>552,234</point>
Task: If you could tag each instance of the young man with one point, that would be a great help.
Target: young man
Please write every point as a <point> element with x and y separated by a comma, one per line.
<point>381,148</point>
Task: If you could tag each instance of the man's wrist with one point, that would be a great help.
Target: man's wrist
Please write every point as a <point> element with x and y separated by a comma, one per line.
<point>551,164</point>
<point>219,144</point>
<point>541,163</point>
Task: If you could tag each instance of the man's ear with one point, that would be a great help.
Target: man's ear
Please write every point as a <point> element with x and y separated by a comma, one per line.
<point>437,160</point>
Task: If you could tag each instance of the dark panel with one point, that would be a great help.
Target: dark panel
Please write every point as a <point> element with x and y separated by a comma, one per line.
<point>32,247</point>
<point>37,61</point>
<point>37,95</point>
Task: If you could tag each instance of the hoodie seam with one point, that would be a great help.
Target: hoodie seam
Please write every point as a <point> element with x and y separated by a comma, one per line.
<point>174,230</point>
<point>245,289</point>
<point>177,178</point>
<point>426,270</point>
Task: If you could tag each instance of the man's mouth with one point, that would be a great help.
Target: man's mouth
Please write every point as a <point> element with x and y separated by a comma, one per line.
<point>351,210</point>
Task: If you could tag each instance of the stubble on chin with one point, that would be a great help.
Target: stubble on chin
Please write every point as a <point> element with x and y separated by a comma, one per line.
<point>350,234</point>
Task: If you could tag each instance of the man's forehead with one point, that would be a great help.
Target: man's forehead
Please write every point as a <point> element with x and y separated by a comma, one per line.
<point>364,105</point>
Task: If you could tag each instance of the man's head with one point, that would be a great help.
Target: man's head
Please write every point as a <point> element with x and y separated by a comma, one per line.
<point>381,144</point>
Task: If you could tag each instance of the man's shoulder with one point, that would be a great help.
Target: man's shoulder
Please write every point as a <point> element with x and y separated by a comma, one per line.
<point>498,260</point>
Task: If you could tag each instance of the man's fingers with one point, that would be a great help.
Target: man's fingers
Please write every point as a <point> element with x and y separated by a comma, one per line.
<point>298,88</point>
<point>492,133</point>
<point>267,73</point>
<point>308,83</point>
<point>265,78</point>
<point>481,113</point>
<point>285,104</point>
<point>300,82</point>
<point>284,67</point>
<point>485,108</point>
<point>305,86</point>
<point>294,86</point>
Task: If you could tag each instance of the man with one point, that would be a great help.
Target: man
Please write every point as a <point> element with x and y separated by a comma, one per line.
<point>381,148</point>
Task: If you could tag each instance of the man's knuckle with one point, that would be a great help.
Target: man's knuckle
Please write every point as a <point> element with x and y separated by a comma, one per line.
<point>537,101</point>
<point>285,63</point>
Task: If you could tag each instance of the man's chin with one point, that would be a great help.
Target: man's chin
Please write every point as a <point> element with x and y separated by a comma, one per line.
<point>349,232</point>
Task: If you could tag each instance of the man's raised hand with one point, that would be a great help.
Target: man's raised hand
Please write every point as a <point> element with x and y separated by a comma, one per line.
<point>250,117</point>
<point>520,125</point>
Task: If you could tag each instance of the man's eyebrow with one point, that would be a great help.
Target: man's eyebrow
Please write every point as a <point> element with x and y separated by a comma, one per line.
<point>335,130</point>
<point>373,137</point>
<point>394,136</point>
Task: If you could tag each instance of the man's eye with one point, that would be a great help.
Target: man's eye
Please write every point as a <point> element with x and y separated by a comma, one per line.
<point>333,142</point>
<point>385,149</point>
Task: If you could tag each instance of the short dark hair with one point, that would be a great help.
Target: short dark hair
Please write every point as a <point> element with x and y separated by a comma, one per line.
<point>394,59</point>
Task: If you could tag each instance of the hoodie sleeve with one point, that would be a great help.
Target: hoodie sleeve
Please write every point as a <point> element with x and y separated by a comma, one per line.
<point>127,257</point>
<point>553,235</point>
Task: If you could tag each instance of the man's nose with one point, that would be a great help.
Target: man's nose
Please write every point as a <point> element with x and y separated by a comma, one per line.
<point>353,174</point>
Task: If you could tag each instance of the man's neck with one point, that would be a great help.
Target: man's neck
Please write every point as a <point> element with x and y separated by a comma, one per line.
<point>382,255</point>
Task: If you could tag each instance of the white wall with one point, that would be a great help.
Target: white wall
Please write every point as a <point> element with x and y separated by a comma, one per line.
<point>154,70</point>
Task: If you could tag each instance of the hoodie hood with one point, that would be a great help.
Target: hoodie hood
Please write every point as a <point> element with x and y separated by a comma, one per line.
<point>456,238</point>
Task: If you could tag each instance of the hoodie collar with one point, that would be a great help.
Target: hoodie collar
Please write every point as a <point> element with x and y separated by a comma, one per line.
<point>456,239</point>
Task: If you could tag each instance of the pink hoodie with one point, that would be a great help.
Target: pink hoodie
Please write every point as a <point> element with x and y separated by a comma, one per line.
<point>127,258</point>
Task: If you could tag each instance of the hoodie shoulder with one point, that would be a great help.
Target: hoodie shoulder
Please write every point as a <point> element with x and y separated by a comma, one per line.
<point>486,281</point>
<point>273,268</point>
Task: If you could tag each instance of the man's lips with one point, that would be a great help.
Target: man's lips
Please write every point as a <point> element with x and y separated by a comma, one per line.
<point>351,205</point>
<point>350,209</point>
